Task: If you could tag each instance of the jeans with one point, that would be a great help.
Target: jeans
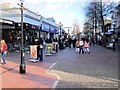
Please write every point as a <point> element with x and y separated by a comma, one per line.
<point>3,57</point>
<point>81,49</point>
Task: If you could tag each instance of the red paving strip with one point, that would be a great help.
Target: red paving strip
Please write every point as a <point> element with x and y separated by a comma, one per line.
<point>34,77</point>
<point>8,66</point>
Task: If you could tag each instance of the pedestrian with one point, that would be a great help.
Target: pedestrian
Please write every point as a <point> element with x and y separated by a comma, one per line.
<point>81,46</point>
<point>113,44</point>
<point>86,47</point>
<point>74,42</point>
<point>4,48</point>
<point>69,42</point>
<point>77,46</point>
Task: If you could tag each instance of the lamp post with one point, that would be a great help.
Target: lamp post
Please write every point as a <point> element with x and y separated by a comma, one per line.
<point>60,37</point>
<point>40,27</point>
<point>68,33</point>
<point>22,64</point>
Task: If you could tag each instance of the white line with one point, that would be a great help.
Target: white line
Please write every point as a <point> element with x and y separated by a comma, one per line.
<point>52,66</point>
<point>56,82</point>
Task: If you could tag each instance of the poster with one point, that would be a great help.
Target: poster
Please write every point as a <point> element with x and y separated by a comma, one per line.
<point>33,51</point>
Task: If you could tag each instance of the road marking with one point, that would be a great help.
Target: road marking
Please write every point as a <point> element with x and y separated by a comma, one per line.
<point>58,78</point>
<point>56,82</point>
<point>52,66</point>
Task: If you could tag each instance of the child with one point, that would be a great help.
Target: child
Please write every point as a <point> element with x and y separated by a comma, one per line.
<point>86,47</point>
<point>77,46</point>
<point>81,46</point>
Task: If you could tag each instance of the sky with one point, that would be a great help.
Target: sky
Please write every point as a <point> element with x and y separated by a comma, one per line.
<point>67,12</point>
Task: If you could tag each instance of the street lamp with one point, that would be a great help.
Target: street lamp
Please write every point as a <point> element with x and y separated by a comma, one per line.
<point>22,64</point>
<point>60,37</point>
<point>40,27</point>
<point>68,33</point>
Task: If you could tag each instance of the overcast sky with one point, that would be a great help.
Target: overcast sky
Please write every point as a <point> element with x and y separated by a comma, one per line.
<point>64,11</point>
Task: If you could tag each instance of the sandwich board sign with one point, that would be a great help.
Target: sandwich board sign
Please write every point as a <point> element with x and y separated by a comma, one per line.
<point>33,53</point>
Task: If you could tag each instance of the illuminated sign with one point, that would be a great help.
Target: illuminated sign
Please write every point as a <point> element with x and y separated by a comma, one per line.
<point>6,21</point>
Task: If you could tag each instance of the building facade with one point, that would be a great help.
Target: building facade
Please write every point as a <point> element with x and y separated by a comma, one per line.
<point>34,25</point>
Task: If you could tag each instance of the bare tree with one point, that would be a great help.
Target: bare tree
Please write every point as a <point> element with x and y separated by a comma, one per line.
<point>86,28</point>
<point>98,11</point>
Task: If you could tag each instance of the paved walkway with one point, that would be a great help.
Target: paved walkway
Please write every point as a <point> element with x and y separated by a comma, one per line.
<point>35,76</point>
<point>96,70</point>
<point>65,69</point>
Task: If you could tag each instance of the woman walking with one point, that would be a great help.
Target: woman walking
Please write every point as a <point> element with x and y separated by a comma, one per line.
<point>3,50</point>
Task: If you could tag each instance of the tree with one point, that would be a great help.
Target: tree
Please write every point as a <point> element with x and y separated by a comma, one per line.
<point>86,28</point>
<point>98,11</point>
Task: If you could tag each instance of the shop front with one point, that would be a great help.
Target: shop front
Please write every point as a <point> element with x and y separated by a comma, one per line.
<point>53,31</point>
<point>30,32</point>
<point>45,30</point>
<point>7,30</point>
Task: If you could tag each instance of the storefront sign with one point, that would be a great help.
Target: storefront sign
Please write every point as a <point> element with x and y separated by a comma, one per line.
<point>8,22</point>
<point>45,27</point>
<point>54,29</point>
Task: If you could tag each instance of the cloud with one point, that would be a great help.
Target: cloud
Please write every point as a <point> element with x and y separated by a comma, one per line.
<point>52,7</point>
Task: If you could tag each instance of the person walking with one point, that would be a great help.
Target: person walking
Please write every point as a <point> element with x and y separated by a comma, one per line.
<point>86,47</point>
<point>81,46</point>
<point>77,46</point>
<point>69,42</point>
<point>4,48</point>
<point>74,42</point>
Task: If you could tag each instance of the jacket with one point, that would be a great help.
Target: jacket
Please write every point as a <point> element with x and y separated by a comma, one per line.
<point>4,47</point>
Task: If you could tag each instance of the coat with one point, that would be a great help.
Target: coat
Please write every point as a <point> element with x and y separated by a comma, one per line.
<point>4,47</point>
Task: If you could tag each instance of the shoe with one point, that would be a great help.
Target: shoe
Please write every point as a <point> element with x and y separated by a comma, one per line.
<point>3,63</point>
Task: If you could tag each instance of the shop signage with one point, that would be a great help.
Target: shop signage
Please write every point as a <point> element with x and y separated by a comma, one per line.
<point>8,22</point>
<point>45,27</point>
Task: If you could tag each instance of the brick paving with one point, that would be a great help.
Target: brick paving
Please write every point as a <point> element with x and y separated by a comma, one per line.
<point>35,76</point>
<point>96,70</point>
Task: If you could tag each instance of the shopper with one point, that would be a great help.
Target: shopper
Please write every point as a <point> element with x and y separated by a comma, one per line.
<point>86,47</point>
<point>74,42</point>
<point>81,46</point>
<point>77,46</point>
<point>3,50</point>
<point>69,42</point>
